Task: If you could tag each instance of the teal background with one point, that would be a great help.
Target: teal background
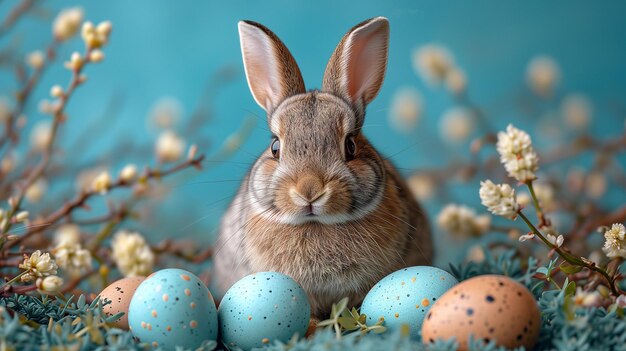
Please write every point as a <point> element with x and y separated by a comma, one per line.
<point>171,48</point>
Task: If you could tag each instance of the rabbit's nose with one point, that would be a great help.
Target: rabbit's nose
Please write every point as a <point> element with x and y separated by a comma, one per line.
<point>307,190</point>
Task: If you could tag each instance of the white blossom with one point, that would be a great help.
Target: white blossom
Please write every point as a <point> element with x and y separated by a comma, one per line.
<point>66,23</point>
<point>615,241</point>
<point>40,136</point>
<point>433,63</point>
<point>132,254</point>
<point>169,146</point>
<point>576,111</point>
<point>56,91</point>
<point>72,257</point>
<point>38,265</point>
<point>96,56</point>
<point>165,112</point>
<point>422,186</point>
<point>36,59</point>
<point>552,235</point>
<point>499,199</point>
<point>456,81</point>
<point>76,62</point>
<point>36,191</point>
<point>542,75</point>
<point>101,183</point>
<point>50,284</point>
<point>587,298</point>
<point>463,221</point>
<point>67,234</point>
<point>96,36</point>
<point>517,154</point>
<point>406,109</point>
<point>456,124</point>
<point>128,173</point>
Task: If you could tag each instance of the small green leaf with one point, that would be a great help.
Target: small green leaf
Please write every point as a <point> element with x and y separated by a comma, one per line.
<point>569,269</point>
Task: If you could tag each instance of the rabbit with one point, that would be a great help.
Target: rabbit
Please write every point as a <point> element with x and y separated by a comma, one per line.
<point>320,204</point>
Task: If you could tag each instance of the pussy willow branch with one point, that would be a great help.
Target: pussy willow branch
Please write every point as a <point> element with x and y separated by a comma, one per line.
<point>16,13</point>
<point>38,171</point>
<point>81,199</point>
<point>576,261</point>
<point>24,94</point>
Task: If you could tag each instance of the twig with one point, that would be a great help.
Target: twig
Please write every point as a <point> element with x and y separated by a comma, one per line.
<point>16,13</point>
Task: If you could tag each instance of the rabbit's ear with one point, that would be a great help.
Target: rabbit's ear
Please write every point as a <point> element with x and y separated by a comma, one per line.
<point>271,71</point>
<point>357,67</point>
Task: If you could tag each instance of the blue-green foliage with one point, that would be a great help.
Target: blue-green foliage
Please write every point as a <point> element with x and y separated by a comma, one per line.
<point>29,322</point>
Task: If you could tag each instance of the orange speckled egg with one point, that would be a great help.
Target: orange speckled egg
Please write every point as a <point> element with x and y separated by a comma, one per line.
<point>489,307</point>
<point>120,293</point>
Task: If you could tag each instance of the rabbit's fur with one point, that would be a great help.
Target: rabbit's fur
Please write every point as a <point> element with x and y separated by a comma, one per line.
<point>335,220</point>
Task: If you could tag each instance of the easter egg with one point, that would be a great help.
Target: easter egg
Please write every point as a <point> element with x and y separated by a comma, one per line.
<point>172,307</point>
<point>261,308</point>
<point>117,298</point>
<point>489,307</point>
<point>405,296</point>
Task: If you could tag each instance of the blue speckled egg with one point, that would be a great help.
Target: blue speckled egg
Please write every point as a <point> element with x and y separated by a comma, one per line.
<point>261,308</point>
<point>172,307</point>
<point>405,296</point>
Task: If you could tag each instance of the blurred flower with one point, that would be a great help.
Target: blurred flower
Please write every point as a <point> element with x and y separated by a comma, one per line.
<point>576,111</point>
<point>21,216</point>
<point>432,62</point>
<point>40,136</point>
<point>72,257</point>
<point>165,113</point>
<point>5,109</point>
<point>545,196</point>
<point>67,234</point>
<point>8,163</point>
<point>463,221</point>
<point>476,254</point>
<point>422,186</point>
<point>96,36</point>
<point>56,91</point>
<point>36,59</point>
<point>457,124</point>
<point>499,199</point>
<point>517,154</point>
<point>38,265</point>
<point>75,63</point>
<point>587,298</point>
<point>595,184</point>
<point>615,243</point>
<point>66,23</point>
<point>406,109</point>
<point>128,173</point>
<point>96,56</point>
<point>542,75</point>
<point>575,180</point>
<point>50,284</point>
<point>169,146</point>
<point>132,254</point>
<point>456,81</point>
<point>102,183</point>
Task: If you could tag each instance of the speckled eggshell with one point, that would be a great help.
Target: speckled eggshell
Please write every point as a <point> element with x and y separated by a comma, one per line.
<point>490,307</point>
<point>172,307</point>
<point>119,294</point>
<point>405,296</point>
<point>261,308</point>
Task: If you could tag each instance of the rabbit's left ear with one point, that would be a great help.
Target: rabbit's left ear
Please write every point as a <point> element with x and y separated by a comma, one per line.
<point>271,71</point>
<point>357,67</point>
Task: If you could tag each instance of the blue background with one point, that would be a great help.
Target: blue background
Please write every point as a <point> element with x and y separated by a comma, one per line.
<point>171,48</point>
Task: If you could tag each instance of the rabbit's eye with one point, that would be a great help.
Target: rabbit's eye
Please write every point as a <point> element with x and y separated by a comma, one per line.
<point>350,148</point>
<point>275,147</point>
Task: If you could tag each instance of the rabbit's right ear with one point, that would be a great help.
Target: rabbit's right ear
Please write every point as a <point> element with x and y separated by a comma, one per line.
<point>271,70</point>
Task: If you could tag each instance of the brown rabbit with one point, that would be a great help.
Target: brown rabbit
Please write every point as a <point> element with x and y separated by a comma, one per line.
<point>320,204</point>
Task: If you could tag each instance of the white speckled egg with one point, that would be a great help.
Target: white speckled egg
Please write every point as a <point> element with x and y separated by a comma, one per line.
<point>172,307</point>
<point>261,308</point>
<point>488,307</point>
<point>118,296</point>
<point>404,297</point>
